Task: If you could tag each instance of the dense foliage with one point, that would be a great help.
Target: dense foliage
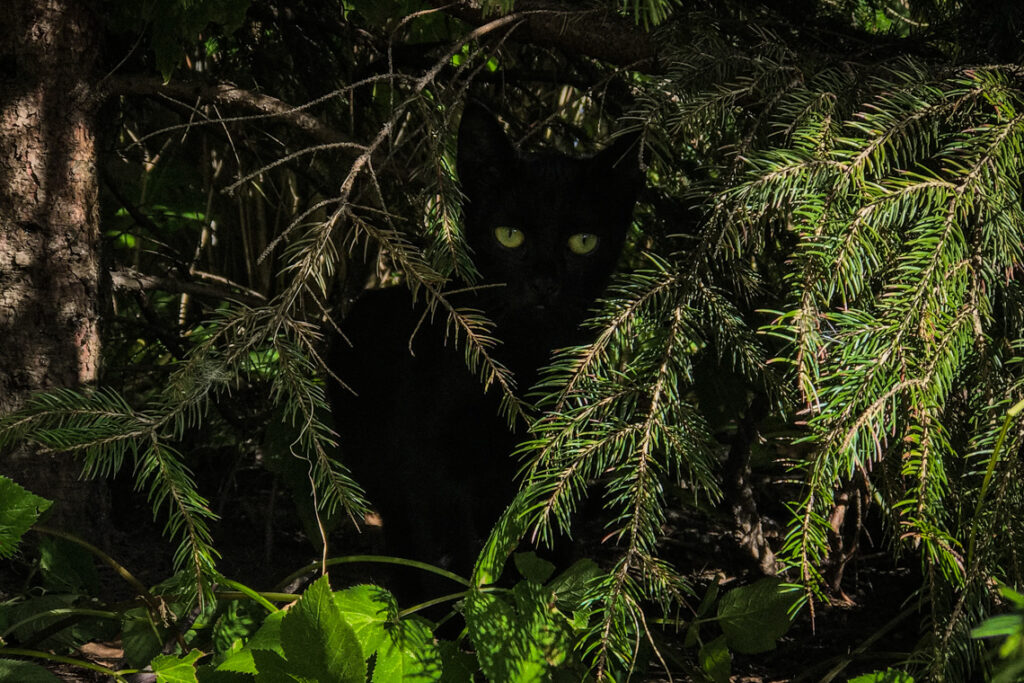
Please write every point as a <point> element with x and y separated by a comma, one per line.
<point>823,283</point>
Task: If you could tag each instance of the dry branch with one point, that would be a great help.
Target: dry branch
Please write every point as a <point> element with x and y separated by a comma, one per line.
<point>227,94</point>
<point>128,279</point>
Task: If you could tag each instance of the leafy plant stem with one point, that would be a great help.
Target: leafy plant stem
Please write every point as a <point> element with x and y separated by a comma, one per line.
<point>430,603</point>
<point>120,570</point>
<point>263,599</point>
<point>445,598</point>
<point>77,611</point>
<point>380,559</point>
<point>17,652</point>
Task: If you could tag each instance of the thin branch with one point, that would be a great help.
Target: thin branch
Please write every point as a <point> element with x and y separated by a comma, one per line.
<point>262,105</point>
<point>128,279</point>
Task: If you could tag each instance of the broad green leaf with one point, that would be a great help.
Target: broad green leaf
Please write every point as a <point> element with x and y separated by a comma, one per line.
<point>692,634</point>
<point>208,674</point>
<point>544,628</point>
<point>569,587</point>
<point>753,617</point>
<point>171,669</point>
<point>708,600</point>
<point>238,620</point>
<point>36,614</point>
<point>404,649</point>
<point>67,567</point>
<point>19,510</point>
<point>533,568</point>
<point>456,666</point>
<point>521,643</point>
<point>367,609</point>
<point>317,641</point>
<point>267,638</point>
<point>140,638</point>
<point>25,672</point>
<point>408,654</point>
<point>491,624</point>
<point>273,668</point>
<point>580,619</point>
<point>716,660</point>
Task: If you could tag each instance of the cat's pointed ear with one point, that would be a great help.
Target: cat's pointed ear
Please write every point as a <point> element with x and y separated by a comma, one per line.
<point>484,152</point>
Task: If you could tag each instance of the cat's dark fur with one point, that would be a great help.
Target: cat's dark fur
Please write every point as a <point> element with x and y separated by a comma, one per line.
<point>420,435</point>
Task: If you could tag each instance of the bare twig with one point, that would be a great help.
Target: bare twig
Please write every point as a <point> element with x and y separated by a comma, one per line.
<point>128,279</point>
<point>264,106</point>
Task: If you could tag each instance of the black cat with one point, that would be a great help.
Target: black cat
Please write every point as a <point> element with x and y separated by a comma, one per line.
<point>420,434</point>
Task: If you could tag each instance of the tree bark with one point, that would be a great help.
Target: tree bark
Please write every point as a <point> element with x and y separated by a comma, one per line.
<point>49,231</point>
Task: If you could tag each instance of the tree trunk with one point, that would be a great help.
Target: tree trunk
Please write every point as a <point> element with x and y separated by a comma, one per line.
<point>49,231</point>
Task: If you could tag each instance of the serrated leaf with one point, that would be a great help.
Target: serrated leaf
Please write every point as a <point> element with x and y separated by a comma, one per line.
<point>19,510</point>
<point>408,654</point>
<point>208,674</point>
<point>520,643</point>
<point>456,666</point>
<point>267,638</point>
<point>273,668</point>
<point>404,649</point>
<point>140,639</point>
<point>171,669</point>
<point>532,567</point>
<point>238,621</point>
<point>367,609</point>
<point>318,642</point>
<point>570,586</point>
<point>580,619</point>
<point>716,660</point>
<point>67,567</point>
<point>753,617</point>
<point>490,621</point>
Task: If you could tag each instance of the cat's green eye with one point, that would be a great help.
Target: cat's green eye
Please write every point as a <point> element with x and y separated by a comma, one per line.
<point>509,237</point>
<point>582,243</point>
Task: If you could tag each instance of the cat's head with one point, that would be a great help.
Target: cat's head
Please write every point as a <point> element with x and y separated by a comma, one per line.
<point>549,226</point>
